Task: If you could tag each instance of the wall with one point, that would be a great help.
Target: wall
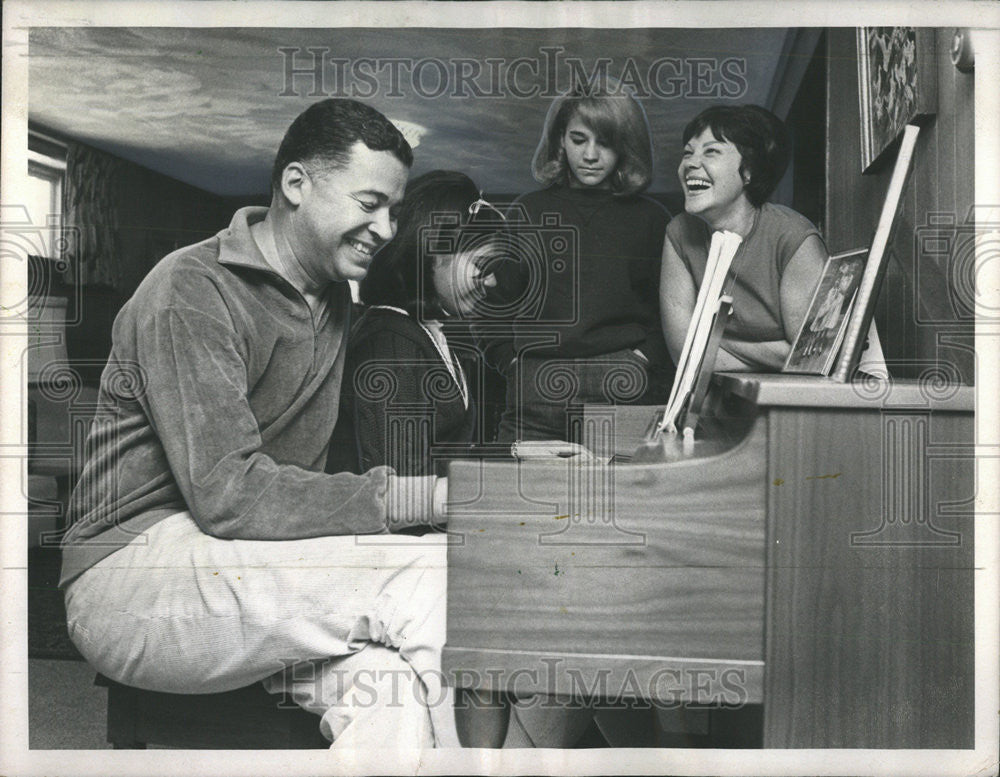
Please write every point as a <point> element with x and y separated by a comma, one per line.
<point>123,217</point>
<point>127,218</point>
<point>923,314</point>
<point>806,123</point>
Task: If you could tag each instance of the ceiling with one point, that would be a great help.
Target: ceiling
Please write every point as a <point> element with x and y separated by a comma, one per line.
<point>209,106</point>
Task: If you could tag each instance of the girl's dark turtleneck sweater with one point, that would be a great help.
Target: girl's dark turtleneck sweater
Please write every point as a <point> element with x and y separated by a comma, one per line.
<point>594,285</point>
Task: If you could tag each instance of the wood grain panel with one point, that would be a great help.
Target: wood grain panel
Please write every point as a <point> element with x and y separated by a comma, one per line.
<point>915,308</point>
<point>869,576</point>
<point>853,200</point>
<point>633,559</point>
<point>819,392</point>
<point>870,580</point>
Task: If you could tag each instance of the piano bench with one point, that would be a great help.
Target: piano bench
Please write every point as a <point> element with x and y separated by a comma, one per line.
<point>245,719</point>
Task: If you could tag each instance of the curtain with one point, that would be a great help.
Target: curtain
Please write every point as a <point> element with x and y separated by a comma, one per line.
<point>91,197</point>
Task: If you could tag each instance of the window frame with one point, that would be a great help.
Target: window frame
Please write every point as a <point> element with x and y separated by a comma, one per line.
<point>52,169</point>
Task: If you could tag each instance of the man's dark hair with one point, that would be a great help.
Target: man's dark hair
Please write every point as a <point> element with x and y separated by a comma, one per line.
<point>759,136</point>
<point>325,132</point>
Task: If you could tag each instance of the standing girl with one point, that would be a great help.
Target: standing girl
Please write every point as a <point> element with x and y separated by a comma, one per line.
<point>582,309</point>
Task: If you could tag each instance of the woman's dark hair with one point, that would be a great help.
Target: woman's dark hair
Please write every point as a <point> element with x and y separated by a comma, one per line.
<point>325,131</point>
<point>431,221</point>
<point>759,136</point>
<point>619,122</point>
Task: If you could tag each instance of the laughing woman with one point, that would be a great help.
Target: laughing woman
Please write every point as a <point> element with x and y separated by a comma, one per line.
<point>733,159</point>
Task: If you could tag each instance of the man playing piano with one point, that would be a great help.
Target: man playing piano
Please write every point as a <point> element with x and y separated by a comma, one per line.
<point>208,549</point>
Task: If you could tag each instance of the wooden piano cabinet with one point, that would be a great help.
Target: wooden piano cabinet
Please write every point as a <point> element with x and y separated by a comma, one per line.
<point>820,561</point>
<point>641,580</point>
<point>870,590</point>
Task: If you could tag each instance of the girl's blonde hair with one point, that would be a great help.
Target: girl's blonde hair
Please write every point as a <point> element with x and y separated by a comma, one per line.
<point>617,120</point>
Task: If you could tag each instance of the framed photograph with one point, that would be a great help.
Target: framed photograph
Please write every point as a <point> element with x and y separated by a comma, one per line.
<point>819,339</point>
<point>897,85</point>
<point>860,317</point>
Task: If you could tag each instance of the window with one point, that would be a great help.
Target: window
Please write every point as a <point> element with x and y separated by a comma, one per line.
<point>41,206</point>
<point>43,194</point>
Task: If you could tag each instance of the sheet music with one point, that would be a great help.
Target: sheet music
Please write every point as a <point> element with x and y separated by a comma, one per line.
<point>720,258</point>
<point>872,358</point>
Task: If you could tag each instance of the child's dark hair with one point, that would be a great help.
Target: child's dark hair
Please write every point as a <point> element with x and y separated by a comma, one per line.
<point>431,219</point>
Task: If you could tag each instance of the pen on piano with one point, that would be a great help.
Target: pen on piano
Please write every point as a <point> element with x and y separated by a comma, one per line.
<point>527,450</point>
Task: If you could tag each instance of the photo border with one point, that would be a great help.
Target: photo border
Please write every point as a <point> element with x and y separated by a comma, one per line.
<point>15,758</point>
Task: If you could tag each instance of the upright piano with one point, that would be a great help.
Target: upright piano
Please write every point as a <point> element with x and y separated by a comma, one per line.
<point>813,554</point>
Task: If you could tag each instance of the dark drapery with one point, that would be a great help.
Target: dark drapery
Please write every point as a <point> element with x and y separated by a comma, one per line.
<point>123,218</point>
<point>91,202</point>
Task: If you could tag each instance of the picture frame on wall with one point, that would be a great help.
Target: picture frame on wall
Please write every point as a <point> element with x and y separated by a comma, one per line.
<point>897,85</point>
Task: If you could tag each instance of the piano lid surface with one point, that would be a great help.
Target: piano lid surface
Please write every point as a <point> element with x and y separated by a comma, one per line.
<point>933,392</point>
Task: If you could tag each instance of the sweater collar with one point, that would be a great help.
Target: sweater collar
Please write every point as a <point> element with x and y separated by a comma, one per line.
<point>588,194</point>
<point>237,248</point>
<point>236,244</point>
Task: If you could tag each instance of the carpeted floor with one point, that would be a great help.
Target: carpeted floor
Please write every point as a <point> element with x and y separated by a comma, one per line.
<point>66,711</point>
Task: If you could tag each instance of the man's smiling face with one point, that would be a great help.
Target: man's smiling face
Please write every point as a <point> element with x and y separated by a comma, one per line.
<point>345,214</point>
